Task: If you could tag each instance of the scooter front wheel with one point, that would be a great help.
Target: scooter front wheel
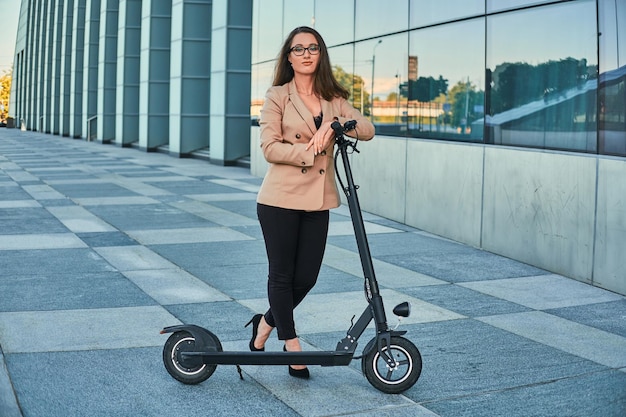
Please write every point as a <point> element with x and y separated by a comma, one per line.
<point>188,369</point>
<point>396,378</point>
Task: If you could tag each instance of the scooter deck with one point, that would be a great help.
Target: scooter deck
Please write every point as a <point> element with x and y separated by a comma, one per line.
<point>326,358</point>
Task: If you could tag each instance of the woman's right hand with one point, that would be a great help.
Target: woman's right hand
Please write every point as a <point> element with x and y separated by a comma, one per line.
<point>321,139</point>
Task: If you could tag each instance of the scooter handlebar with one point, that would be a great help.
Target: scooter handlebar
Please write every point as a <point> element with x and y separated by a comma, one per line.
<point>339,129</point>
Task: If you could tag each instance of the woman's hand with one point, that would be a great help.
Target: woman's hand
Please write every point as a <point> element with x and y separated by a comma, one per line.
<point>321,139</point>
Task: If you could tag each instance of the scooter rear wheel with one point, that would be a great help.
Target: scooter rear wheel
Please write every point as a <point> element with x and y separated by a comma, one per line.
<point>188,369</point>
<point>392,379</point>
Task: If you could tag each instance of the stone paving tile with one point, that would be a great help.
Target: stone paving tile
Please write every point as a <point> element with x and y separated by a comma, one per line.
<point>74,261</point>
<point>609,316</point>
<point>464,301</point>
<point>67,291</point>
<point>85,329</point>
<point>544,292</point>
<point>29,220</point>
<point>95,307</point>
<point>102,239</point>
<point>593,394</point>
<point>131,382</point>
<point>584,341</point>
<point>174,286</point>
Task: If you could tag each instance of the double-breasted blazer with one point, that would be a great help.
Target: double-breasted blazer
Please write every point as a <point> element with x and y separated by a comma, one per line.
<point>297,178</point>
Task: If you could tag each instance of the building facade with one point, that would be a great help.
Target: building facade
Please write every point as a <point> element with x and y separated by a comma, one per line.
<point>500,123</point>
<point>157,74</point>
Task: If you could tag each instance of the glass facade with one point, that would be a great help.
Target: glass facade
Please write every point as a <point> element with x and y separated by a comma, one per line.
<point>517,72</point>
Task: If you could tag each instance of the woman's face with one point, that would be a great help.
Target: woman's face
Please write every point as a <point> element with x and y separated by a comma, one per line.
<point>304,64</point>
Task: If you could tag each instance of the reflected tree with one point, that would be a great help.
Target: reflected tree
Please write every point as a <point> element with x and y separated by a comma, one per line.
<point>515,84</point>
<point>354,84</point>
<point>466,104</point>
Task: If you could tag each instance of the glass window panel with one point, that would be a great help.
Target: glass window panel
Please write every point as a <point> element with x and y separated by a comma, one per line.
<point>268,35</point>
<point>381,66</point>
<point>612,92</point>
<point>445,87</point>
<point>262,77</point>
<point>428,12</point>
<point>375,17</point>
<point>336,27</point>
<point>297,13</point>
<point>543,77</point>
<point>342,62</point>
<point>499,5</point>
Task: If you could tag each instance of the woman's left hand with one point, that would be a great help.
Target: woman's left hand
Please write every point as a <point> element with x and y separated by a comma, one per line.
<point>321,139</point>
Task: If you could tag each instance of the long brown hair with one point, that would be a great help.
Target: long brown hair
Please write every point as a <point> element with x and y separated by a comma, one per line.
<point>324,82</point>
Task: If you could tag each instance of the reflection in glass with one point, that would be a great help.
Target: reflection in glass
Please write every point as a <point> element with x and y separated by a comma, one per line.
<point>612,91</point>
<point>375,17</point>
<point>334,20</point>
<point>445,81</point>
<point>542,77</point>
<point>268,29</point>
<point>342,62</point>
<point>297,13</point>
<point>428,12</point>
<point>262,77</point>
<point>499,5</point>
<point>381,74</point>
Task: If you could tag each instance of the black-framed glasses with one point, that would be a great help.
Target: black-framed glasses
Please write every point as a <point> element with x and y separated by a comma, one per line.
<point>313,49</point>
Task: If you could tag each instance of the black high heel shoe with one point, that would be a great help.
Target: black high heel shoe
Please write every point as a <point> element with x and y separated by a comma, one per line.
<point>256,319</point>
<point>298,373</point>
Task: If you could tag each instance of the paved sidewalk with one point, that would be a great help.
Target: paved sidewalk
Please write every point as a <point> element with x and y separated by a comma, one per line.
<point>101,247</point>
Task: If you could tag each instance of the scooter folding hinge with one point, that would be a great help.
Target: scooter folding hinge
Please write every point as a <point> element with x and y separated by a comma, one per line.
<point>347,344</point>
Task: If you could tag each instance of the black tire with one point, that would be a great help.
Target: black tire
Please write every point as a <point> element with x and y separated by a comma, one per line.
<point>399,378</point>
<point>188,370</point>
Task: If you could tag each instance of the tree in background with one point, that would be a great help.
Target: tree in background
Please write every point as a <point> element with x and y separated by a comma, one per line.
<point>354,84</point>
<point>465,101</point>
<point>5,94</point>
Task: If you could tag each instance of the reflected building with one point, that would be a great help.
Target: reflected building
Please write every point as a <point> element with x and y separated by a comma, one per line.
<point>500,123</point>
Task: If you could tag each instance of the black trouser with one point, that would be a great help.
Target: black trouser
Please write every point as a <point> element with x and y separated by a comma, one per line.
<point>295,241</point>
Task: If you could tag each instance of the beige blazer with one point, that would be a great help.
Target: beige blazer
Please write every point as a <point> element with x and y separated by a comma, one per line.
<point>296,178</point>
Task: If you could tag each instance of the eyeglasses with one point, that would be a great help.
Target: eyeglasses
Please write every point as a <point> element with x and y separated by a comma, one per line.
<point>298,50</point>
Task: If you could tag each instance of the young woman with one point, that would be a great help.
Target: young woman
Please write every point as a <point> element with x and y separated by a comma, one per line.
<point>299,187</point>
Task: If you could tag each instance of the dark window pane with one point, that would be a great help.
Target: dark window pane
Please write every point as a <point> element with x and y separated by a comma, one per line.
<point>445,88</point>
<point>543,77</point>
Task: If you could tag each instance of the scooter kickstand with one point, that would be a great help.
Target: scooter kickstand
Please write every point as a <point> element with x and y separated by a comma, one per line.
<point>240,371</point>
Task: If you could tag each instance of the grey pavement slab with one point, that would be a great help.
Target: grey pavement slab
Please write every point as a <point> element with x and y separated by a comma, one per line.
<point>593,394</point>
<point>130,382</point>
<point>147,217</point>
<point>584,341</point>
<point>100,239</point>
<point>544,292</point>
<point>102,246</point>
<point>68,291</point>
<point>609,316</point>
<point>174,286</point>
<point>86,329</point>
<point>464,301</point>
<point>38,262</point>
<point>24,220</point>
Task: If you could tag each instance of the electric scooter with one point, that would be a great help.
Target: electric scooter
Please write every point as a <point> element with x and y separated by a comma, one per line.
<point>390,362</point>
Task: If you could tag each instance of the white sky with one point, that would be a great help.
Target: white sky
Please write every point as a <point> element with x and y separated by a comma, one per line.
<point>9,15</point>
